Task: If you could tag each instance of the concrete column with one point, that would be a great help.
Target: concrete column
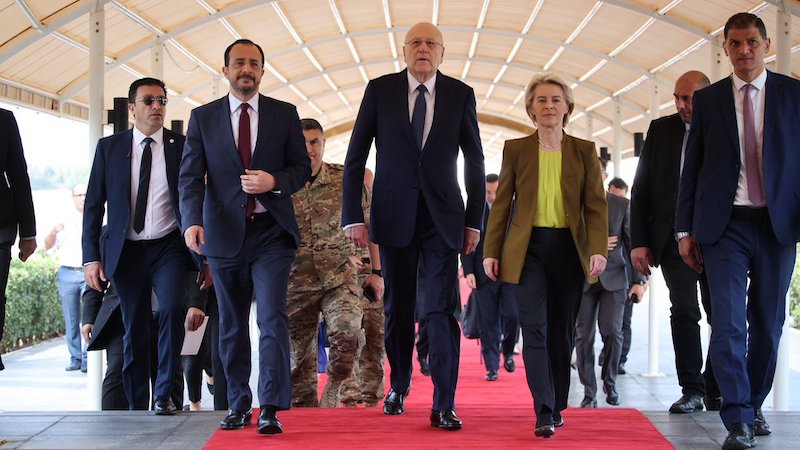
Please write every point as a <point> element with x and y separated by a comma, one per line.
<point>655,102</point>
<point>97,32</point>
<point>616,152</point>
<point>589,127</point>
<point>719,61</point>
<point>783,64</point>
<point>157,61</point>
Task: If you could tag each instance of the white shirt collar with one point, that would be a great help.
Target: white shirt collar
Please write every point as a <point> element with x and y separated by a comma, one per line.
<point>235,102</point>
<point>138,136</point>
<point>758,82</point>
<point>413,83</point>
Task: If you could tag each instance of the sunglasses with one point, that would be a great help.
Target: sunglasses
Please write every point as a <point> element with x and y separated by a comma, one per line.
<point>149,99</point>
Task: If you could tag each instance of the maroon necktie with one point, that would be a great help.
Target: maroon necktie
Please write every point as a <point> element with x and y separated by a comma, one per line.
<point>244,151</point>
<point>752,170</point>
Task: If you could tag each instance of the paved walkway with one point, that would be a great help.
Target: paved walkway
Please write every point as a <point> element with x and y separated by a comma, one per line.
<point>42,406</point>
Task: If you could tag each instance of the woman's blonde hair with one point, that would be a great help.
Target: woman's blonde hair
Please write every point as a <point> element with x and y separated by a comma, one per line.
<point>549,78</point>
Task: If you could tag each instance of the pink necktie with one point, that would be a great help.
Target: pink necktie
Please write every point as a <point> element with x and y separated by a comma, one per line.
<point>752,170</point>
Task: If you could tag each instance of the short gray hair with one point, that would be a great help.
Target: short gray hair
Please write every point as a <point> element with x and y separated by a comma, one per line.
<point>549,78</point>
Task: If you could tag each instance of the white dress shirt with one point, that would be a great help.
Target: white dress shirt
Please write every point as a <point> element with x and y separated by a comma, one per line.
<point>236,112</point>
<point>757,96</point>
<point>159,218</point>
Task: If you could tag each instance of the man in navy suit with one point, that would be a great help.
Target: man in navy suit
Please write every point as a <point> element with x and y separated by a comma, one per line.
<point>135,175</point>
<point>739,218</point>
<point>497,310</point>
<point>252,152</point>
<point>16,205</point>
<point>418,118</point>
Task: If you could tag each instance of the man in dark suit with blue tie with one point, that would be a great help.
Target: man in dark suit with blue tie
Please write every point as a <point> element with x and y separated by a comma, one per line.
<point>739,218</point>
<point>135,175</point>
<point>252,152</point>
<point>16,205</point>
<point>418,118</point>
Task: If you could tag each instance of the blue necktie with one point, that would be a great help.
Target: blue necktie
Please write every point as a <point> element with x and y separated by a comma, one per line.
<point>418,118</point>
<point>144,187</point>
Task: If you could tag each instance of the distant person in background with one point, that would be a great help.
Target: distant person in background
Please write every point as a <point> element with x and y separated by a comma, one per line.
<point>558,238</point>
<point>16,205</point>
<point>603,303</point>
<point>66,238</point>
<point>496,304</point>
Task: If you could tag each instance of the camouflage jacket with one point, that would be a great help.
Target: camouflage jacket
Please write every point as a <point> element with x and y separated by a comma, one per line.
<point>323,258</point>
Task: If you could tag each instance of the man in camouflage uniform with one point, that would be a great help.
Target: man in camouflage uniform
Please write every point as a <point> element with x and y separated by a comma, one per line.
<point>323,280</point>
<point>366,384</point>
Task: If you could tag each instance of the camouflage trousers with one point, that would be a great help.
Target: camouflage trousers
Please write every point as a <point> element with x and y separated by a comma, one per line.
<point>341,310</point>
<point>366,384</point>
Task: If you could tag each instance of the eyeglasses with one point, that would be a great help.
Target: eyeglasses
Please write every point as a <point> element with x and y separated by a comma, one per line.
<point>149,99</point>
<point>239,63</point>
<point>78,195</point>
<point>415,43</point>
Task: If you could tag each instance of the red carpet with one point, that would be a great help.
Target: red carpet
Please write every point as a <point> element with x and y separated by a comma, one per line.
<point>495,414</point>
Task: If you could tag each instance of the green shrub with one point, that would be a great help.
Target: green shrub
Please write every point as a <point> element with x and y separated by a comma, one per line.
<point>33,309</point>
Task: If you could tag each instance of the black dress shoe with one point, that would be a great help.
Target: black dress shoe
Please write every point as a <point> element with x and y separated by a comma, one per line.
<point>545,431</point>
<point>236,420</point>
<point>446,420</point>
<point>760,426</point>
<point>588,402</point>
<point>558,420</point>
<point>687,404</point>
<point>509,364</point>
<point>712,403</point>
<point>741,436</point>
<point>424,367</point>
<point>165,408</point>
<point>268,422</point>
<point>612,396</point>
<point>393,405</point>
<point>491,375</point>
<point>621,369</point>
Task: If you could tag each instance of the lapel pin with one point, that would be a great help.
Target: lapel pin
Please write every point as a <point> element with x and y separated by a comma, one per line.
<point>171,141</point>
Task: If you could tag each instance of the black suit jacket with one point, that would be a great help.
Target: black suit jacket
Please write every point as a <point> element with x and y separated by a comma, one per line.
<point>16,202</point>
<point>473,263</point>
<point>402,170</point>
<point>110,184</point>
<point>654,193</point>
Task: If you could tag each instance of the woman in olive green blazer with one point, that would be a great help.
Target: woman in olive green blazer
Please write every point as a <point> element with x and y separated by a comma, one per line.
<point>554,238</point>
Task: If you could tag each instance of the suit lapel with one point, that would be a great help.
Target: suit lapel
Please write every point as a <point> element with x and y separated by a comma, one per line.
<point>728,108</point>
<point>265,116</point>
<point>771,106</point>
<point>125,157</point>
<point>224,113</point>
<point>675,148</point>
<point>439,107</point>
<point>402,100</point>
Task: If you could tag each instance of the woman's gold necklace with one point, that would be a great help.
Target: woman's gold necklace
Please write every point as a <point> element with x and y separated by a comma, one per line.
<point>549,146</point>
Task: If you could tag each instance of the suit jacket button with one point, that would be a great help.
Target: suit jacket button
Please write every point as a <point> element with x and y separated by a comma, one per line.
<point>241,206</point>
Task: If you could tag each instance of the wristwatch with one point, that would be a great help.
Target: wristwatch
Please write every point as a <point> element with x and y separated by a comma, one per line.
<point>378,272</point>
<point>681,234</point>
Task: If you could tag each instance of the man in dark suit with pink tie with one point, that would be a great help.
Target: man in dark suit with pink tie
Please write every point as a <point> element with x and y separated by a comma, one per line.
<point>739,218</point>
<point>245,155</point>
<point>419,119</point>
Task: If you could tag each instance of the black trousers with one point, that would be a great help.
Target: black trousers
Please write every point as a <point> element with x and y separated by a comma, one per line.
<point>548,297</point>
<point>685,323</point>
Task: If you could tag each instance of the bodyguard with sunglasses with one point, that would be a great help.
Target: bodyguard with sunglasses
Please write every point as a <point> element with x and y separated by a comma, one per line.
<point>135,176</point>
